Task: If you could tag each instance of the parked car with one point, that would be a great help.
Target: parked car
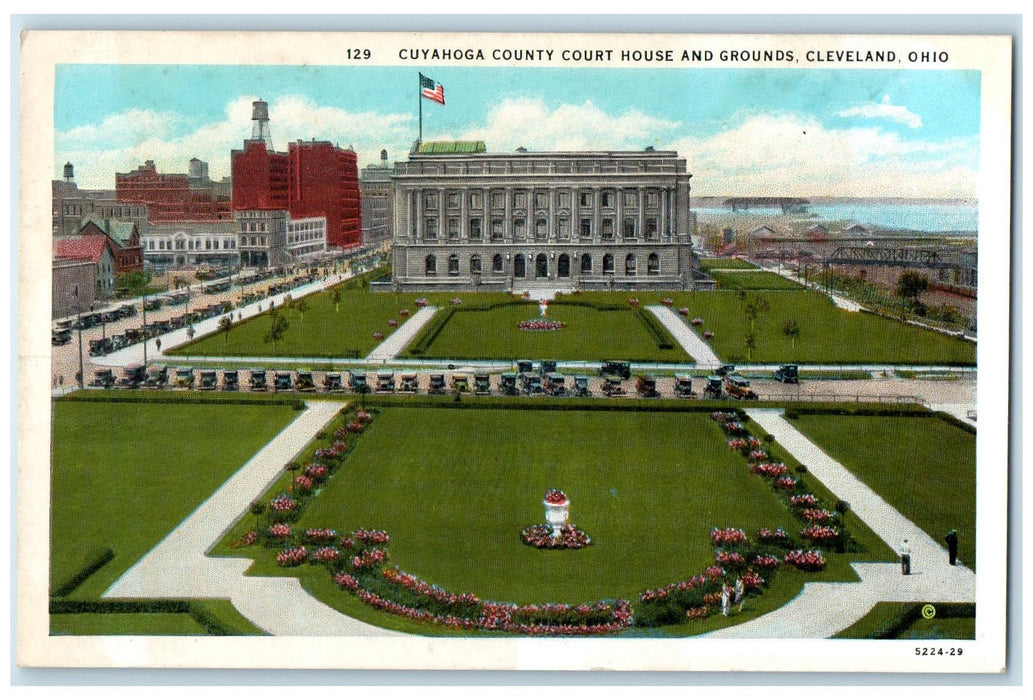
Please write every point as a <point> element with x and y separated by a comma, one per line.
<point>437,384</point>
<point>305,381</point>
<point>332,382</point>
<point>103,378</point>
<point>788,374</point>
<point>209,380</point>
<point>157,377</point>
<point>283,381</point>
<point>580,386</point>
<point>481,384</point>
<point>230,380</point>
<point>357,383</point>
<point>386,382</point>
<point>683,386</point>
<point>258,380</point>
<point>615,368</point>
<point>738,388</point>
<point>555,384</point>
<point>408,384</point>
<point>508,384</point>
<point>645,385</point>
<point>460,383</point>
<point>133,376</point>
<point>185,377</point>
<point>714,388</point>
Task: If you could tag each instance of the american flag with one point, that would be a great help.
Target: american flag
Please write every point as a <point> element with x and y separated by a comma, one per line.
<point>432,90</point>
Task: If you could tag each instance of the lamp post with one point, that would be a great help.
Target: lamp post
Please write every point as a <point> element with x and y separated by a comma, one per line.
<point>78,325</point>
<point>145,339</point>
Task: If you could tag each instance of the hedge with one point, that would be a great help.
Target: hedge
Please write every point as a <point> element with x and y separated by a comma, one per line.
<point>198,610</point>
<point>911,613</point>
<point>239,399</point>
<point>655,329</point>
<point>92,563</point>
<point>430,334</point>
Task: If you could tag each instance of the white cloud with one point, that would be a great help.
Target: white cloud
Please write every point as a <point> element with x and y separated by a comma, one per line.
<point>123,141</point>
<point>794,155</point>
<point>529,122</point>
<point>884,110</point>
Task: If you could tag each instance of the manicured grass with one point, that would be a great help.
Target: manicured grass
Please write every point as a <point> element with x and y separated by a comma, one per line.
<point>455,494</point>
<point>94,624</point>
<point>923,467</point>
<point>614,331</point>
<point>884,617</point>
<point>708,264</point>
<point>827,334</point>
<point>124,475</point>
<point>753,280</point>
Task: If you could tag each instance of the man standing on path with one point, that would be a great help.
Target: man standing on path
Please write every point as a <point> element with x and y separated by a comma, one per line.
<point>952,546</point>
<point>905,557</point>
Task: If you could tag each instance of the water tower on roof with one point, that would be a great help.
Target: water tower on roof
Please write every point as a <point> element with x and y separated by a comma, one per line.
<point>69,173</point>
<point>260,123</point>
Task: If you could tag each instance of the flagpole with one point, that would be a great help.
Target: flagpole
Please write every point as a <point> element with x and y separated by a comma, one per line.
<point>419,98</point>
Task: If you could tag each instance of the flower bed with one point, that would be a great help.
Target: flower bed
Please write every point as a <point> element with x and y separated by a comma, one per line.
<point>778,537</point>
<point>683,311</point>
<point>555,497</point>
<point>540,536</point>
<point>771,470</point>
<point>292,556</point>
<point>811,560</point>
<point>541,325</point>
<point>820,534</point>
<point>723,537</point>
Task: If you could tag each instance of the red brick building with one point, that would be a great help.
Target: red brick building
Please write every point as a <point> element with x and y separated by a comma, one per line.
<point>173,196</point>
<point>125,239</point>
<point>313,179</point>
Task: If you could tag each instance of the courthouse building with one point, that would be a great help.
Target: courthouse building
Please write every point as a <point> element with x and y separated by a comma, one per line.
<point>468,219</point>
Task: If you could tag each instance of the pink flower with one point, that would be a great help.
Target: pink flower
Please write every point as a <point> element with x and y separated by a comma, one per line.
<point>682,311</point>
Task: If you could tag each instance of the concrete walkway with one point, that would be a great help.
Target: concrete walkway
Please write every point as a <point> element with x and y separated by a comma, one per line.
<point>396,342</point>
<point>823,609</point>
<point>178,568</point>
<point>686,337</point>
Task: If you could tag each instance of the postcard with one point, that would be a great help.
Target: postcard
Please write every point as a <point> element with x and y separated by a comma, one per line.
<point>641,352</point>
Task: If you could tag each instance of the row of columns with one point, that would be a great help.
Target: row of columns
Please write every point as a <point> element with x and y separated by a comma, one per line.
<point>666,214</point>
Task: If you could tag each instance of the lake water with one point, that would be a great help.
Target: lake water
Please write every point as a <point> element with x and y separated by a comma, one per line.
<point>928,218</point>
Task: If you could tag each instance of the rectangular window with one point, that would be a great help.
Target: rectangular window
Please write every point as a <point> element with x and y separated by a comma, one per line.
<point>631,198</point>
<point>430,228</point>
<point>563,200</point>
<point>475,228</point>
<point>475,200</point>
<point>586,228</point>
<point>651,228</point>
<point>497,230</point>
<point>498,200</point>
<point>519,228</point>
<point>563,229</point>
<point>453,200</point>
<point>453,229</point>
<point>541,200</point>
<point>520,200</point>
<point>607,229</point>
<point>608,200</point>
<point>541,229</point>
<point>652,200</point>
<point>629,228</point>
<point>586,199</point>
<point>430,200</point>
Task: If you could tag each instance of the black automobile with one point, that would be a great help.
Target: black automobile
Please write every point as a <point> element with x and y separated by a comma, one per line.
<point>133,376</point>
<point>332,382</point>
<point>103,378</point>
<point>788,374</point>
<point>437,384</point>
<point>209,380</point>
<point>258,380</point>
<point>283,381</point>
<point>230,380</point>
<point>615,368</point>
<point>508,384</point>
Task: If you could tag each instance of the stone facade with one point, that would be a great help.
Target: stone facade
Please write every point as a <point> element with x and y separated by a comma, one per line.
<point>376,192</point>
<point>568,221</point>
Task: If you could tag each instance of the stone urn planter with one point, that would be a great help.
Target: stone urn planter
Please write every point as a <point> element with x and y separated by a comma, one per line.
<point>557,511</point>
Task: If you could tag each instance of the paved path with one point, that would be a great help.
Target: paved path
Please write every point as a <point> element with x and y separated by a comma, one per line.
<point>134,353</point>
<point>178,568</point>
<point>958,410</point>
<point>823,609</point>
<point>686,337</point>
<point>396,342</point>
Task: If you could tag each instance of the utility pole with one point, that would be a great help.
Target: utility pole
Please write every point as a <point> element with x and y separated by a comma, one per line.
<point>145,338</point>
<point>78,323</point>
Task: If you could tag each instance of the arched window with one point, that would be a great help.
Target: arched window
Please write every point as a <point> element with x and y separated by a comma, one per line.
<point>496,263</point>
<point>586,264</point>
<point>653,264</point>
<point>453,265</point>
<point>607,264</point>
<point>630,265</point>
<point>475,264</point>
<point>519,266</point>
<point>541,265</point>
<point>563,266</point>
<point>431,266</point>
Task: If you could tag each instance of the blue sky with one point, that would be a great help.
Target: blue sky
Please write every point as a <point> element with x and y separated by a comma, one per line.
<point>746,131</point>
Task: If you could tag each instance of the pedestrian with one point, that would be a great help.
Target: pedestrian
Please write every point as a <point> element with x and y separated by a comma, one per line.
<point>61,380</point>
<point>952,546</point>
<point>726,600</point>
<point>905,557</point>
<point>739,591</point>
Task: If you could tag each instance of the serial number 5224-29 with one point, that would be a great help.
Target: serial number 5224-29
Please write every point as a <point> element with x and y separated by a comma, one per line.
<point>938,651</point>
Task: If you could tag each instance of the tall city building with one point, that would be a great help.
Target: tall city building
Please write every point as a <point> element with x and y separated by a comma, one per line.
<point>377,192</point>
<point>468,219</point>
<point>312,179</point>
<point>188,196</point>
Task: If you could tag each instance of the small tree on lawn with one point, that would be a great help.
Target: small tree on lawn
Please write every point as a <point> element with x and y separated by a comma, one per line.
<point>335,297</point>
<point>910,285</point>
<point>277,329</point>
<point>225,324</point>
<point>301,306</point>
<point>791,330</point>
<point>750,342</point>
<point>842,507</point>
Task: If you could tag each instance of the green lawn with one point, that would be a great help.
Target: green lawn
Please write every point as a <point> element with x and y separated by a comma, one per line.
<point>115,465</point>
<point>708,264</point>
<point>94,624</point>
<point>454,488</point>
<point>886,616</point>
<point>923,467</point>
<point>614,332</point>
<point>753,280</point>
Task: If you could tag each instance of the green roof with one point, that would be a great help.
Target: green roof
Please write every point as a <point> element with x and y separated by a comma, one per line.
<point>452,147</point>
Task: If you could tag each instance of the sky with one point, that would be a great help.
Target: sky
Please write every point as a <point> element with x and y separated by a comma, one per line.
<point>758,132</point>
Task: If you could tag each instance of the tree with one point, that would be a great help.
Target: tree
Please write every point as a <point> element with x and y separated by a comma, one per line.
<point>750,342</point>
<point>225,324</point>
<point>910,285</point>
<point>791,330</point>
<point>277,329</point>
<point>301,306</point>
<point>335,297</point>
